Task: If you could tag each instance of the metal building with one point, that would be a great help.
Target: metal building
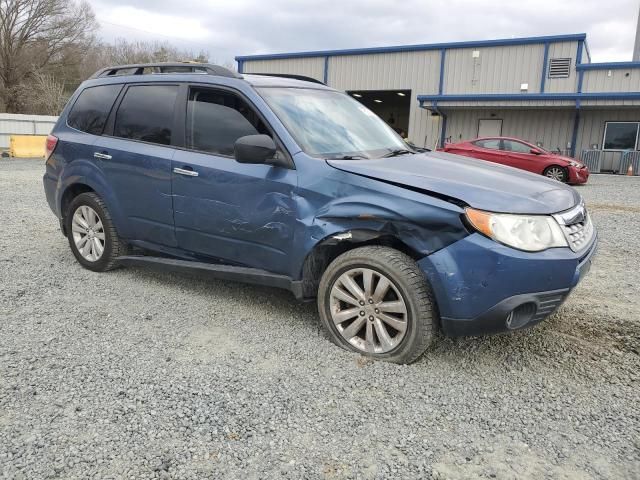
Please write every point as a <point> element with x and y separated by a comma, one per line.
<point>541,89</point>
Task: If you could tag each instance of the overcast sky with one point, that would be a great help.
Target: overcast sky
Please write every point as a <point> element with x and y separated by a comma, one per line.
<point>226,28</point>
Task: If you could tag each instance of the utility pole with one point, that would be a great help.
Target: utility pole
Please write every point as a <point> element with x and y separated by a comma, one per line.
<point>636,46</point>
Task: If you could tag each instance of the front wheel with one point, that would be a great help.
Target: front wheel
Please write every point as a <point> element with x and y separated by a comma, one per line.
<point>376,301</point>
<point>556,173</point>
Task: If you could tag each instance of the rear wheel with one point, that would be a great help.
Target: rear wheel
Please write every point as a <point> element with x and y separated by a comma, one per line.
<point>376,301</point>
<point>557,173</point>
<point>92,236</point>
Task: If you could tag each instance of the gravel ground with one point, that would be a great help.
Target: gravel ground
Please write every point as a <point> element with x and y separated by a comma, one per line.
<point>135,374</point>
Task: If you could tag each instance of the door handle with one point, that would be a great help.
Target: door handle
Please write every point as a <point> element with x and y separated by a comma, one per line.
<point>103,156</point>
<point>184,171</point>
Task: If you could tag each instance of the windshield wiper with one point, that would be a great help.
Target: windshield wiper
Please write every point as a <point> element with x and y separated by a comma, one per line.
<point>397,152</point>
<point>349,157</point>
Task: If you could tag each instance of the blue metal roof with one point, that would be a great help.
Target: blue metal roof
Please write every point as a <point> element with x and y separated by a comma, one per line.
<point>528,97</point>
<point>414,48</point>
<point>607,66</point>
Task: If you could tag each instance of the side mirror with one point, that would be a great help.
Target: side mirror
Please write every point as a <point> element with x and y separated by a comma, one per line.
<point>255,149</point>
<point>535,151</point>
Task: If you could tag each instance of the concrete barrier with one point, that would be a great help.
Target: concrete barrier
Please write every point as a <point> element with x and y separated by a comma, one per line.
<point>27,146</point>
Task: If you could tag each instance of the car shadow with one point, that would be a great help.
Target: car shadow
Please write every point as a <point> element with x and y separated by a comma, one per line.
<point>513,349</point>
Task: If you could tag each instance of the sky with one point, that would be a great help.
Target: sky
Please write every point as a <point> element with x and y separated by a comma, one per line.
<point>226,28</point>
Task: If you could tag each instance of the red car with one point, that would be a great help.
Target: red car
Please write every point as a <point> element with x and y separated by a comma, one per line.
<point>523,155</point>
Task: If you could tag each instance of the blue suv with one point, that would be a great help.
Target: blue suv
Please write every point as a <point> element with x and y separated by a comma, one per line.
<point>285,182</point>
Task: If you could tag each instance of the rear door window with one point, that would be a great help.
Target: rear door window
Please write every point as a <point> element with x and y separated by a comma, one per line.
<point>89,113</point>
<point>491,143</point>
<point>146,113</point>
<point>216,119</point>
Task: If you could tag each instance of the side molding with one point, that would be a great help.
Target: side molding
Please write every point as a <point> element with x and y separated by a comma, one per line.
<point>224,272</point>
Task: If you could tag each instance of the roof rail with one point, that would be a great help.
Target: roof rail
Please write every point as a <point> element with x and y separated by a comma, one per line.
<point>167,67</point>
<point>289,75</point>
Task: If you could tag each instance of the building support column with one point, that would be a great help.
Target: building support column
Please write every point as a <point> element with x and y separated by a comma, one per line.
<point>443,123</point>
<point>326,70</point>
<point>545,62</point>
<point>576,126</point>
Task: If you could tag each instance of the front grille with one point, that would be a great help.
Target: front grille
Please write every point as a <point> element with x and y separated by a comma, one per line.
<point>577,227</point>
<point>579,234</point>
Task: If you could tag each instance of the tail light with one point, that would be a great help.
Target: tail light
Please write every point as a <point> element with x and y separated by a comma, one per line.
<point>50,146</point>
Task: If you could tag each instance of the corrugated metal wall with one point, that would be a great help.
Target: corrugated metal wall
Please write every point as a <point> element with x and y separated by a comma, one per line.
<point>610,103</point>
<point>311,67</point>
<point>611,80</point>
<point>552,128</point>
<point>16,124</point>
<point>415,71</point>
<point>591,131</point>
<point>496,70</point>
<point>563,85</point>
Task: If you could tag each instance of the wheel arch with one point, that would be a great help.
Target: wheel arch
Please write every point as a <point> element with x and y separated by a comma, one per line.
<point>328,249</point>
<point>78,185</point>
<point>69,193</point>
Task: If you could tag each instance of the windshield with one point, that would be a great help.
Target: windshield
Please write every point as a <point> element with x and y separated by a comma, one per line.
<point>331,124</point>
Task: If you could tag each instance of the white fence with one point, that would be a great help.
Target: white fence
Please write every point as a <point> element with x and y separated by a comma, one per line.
<point>611,161</point>
<point>16,124</point>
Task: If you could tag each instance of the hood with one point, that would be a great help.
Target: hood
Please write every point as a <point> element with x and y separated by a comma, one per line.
<point>479,184</point>
<point>557,156</point>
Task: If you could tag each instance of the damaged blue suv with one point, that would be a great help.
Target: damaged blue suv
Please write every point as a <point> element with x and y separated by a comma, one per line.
<point>285,182</point>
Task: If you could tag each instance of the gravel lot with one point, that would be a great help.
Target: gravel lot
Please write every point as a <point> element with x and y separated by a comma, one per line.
<point>135,374</point>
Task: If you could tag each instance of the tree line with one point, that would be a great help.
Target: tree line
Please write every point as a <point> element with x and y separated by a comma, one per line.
<point>48,47</point>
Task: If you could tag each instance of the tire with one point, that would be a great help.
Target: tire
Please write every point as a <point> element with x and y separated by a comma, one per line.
<point>556,172</point>
<point>113,247</point>
<point>407,284</point>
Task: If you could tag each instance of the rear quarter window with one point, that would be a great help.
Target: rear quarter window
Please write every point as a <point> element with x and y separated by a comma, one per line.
<point>89,113</point>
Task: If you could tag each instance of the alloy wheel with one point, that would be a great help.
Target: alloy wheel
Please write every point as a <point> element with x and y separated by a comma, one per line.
<point>88,233</point>
<point>556,173</point>
<point>368,310</point>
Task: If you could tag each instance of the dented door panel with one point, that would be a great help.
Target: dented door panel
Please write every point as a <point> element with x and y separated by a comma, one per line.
<point>239,213</point>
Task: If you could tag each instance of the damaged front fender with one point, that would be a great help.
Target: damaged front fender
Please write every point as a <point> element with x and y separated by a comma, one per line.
<point>423,228</point>
<point>359,211</point>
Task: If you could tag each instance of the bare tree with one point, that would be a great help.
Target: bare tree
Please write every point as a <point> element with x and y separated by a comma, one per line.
<point>36,35</point>
<point>122,52</point>
<point>44,95</point>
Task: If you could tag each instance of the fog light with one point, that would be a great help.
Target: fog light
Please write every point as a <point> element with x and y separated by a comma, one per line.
<point>521,315</point>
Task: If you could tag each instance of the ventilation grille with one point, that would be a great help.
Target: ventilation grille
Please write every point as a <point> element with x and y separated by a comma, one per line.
<point>559,67</point>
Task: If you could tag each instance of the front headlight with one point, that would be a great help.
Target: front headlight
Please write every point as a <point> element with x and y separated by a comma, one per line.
<point>531,233</point>
<point>575,164</point>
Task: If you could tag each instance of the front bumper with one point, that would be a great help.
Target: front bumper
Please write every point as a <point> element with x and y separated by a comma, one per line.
<point>483,287</point>
<point>578,176</point>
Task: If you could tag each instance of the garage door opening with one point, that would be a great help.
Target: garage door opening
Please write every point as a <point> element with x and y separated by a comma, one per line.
<point>392,106</point>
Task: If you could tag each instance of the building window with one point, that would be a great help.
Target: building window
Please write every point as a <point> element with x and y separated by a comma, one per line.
<point>559,67</point>
<point>620,135</point>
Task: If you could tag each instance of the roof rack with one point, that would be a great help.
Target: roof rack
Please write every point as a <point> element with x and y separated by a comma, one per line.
<point>166,67</point>
<point>289,75</point>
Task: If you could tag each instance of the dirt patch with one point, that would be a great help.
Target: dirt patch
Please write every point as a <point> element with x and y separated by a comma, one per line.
<point>613,208</point>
